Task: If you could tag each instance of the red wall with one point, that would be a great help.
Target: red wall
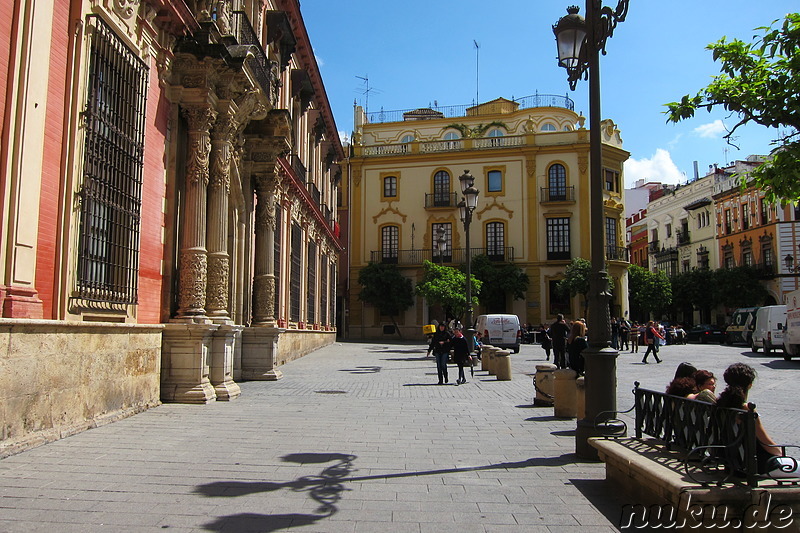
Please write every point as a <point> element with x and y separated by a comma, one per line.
<point>52,172</point>
<point>153,192</point>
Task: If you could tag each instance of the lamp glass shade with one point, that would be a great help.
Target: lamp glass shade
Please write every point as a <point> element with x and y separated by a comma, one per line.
<point>471,197</point>
<point>570,34</point>
<point>467,180</point>
<point>789,260</point>
<point>462,210</point>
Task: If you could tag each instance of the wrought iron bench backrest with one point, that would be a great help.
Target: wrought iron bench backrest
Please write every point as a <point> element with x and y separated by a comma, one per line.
<point>690,425</point>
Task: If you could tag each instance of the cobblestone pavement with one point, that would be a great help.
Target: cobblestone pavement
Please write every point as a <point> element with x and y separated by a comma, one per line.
<point>357,437</point>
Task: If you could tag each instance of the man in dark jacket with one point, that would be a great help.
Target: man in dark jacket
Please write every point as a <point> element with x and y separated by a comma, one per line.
<point>441,351</point>
<point>559,331</point>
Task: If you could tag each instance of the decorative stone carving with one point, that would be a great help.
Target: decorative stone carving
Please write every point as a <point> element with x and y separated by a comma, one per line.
<point>126,8</point>
<point>217,293</point>
<point>583,163</point>
<point>193,282</point>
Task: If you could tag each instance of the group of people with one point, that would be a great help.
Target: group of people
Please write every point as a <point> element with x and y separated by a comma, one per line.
<point>443,341</point>
<point>567,340</point>
<point>689,382</point>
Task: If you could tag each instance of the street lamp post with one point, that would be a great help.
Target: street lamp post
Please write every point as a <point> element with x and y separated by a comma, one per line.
<point>579,45</point>
<point>465,209</point>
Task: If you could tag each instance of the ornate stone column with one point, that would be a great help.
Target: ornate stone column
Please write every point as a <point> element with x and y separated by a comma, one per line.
<point>193,260</point>
<point>218,286</point>
<point>264,275</point>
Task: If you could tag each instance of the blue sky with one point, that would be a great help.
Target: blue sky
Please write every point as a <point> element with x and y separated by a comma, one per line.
<point>416,52</point>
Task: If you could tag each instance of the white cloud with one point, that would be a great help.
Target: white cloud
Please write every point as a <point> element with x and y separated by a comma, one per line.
<point>660,167</point>
<point>711,130</point>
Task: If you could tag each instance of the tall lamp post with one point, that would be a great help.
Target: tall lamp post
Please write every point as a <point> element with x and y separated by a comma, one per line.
<point>580,42</point>
<point>465,209</point>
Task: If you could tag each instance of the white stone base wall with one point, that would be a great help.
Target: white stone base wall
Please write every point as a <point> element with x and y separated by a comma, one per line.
<point>295,343</point>
<point>60,378</point>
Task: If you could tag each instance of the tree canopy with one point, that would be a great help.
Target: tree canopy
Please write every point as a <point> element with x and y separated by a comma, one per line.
<point>384,287</point>
<point>577,280</point>
<point>446,286</point>
<point>649,293</point>
<point>498,280</point>
<point>738,287</point>
<point>760,83</point>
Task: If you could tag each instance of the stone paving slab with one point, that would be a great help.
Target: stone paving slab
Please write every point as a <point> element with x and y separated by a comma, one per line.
<point>356,437</point>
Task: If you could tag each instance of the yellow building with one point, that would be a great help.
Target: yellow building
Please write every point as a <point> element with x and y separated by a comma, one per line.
<point>530,159</point>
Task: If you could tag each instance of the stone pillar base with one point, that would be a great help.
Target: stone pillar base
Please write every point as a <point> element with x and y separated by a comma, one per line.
<point>259,346</point>
<point>20,302</point>
<point>223,345</point>
<point>185,355</point>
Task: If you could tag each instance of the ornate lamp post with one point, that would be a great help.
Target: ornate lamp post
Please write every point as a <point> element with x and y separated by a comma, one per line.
<point>579,45</point>
<point>465,209</point>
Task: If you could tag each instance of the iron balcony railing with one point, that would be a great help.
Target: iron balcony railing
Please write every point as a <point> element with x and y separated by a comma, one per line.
<point>454,111</point>
<point>653,247</point>
<point>259,64</point>
<point>298,167</point>
<point>558,194</point>
<point>427,147</point>
<point>455,255</point>
<point>616,253</point>
<point>314,191</point>
<point>441,200</point>
<point>683,237</point>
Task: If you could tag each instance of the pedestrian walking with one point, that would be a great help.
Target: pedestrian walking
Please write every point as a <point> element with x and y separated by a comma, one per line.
<point>441,351</point>
<point>546,341</point>
<point>652,338</point>
<point>614,333</point>
<point>461,355</point>
<point>576,343</point>
<point>559,331</point>
<point>635,334</point>
<point>624,333</point>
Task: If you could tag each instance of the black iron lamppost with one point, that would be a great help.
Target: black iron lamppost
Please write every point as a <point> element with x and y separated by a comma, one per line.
<point>465,209</point>
<point>580,42</point>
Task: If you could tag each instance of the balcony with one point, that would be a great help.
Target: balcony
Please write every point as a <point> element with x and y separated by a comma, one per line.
<point>683,237</point>
<point>453,256</point>
<point>441,200</point>
<point>298,167</point>
<point>259,64</point>
<point>616,253</point>
<point>557,194</point>
<point>653,247</point>
<point>314,192</point>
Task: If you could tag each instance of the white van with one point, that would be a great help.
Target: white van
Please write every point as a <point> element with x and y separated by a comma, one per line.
<point>768,333</point>
<point>501,331</point>
<point>791,333</point>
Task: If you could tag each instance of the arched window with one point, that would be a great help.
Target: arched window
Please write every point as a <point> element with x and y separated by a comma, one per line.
<point>441,189</point>
<point>495,241</point>
<point>557,182</point>
<point>496,133</point>
<point>451,136</point>
<point>547,126</point>
<point>390,242</point>
<point>407,139</point>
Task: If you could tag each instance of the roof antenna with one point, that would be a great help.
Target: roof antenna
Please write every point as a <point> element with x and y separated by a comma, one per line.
<point>477,71</point>
<point>366,92</point>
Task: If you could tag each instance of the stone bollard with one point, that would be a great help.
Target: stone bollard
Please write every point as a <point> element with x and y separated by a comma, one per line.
<point>502,365</point>
<point>580,390</point>
<point>564,399</point>
<point>485,349</point>
<point>543,384</point>
<point>492,361</point>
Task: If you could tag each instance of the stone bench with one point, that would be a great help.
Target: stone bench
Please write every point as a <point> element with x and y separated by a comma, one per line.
<point>694,464</point>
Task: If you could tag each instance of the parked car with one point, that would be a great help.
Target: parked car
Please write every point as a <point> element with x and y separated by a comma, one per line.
<point>768,332</point>
<point>791,333</point>
<point>741,326</point>
<point>502,331</point>
<point>705,333</point>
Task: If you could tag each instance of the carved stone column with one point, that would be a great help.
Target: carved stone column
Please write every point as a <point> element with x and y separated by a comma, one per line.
<point>193,260</point>
<point>264,275</point>
<point>218,287</point>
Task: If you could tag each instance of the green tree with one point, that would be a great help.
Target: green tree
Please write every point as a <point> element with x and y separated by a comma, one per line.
<point>498,280</point>
<point>577,277</point>
<point>690,291</point>
<point>649,293</point>
<point>738,287</point>
<point>446,286</point>
<point>384,287</point>
<point>760,83</point>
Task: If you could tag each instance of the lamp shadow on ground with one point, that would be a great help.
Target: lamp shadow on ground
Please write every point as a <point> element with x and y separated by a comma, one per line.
<point>327,488</point>
<point>604,496</point>
<point>362,370</point>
